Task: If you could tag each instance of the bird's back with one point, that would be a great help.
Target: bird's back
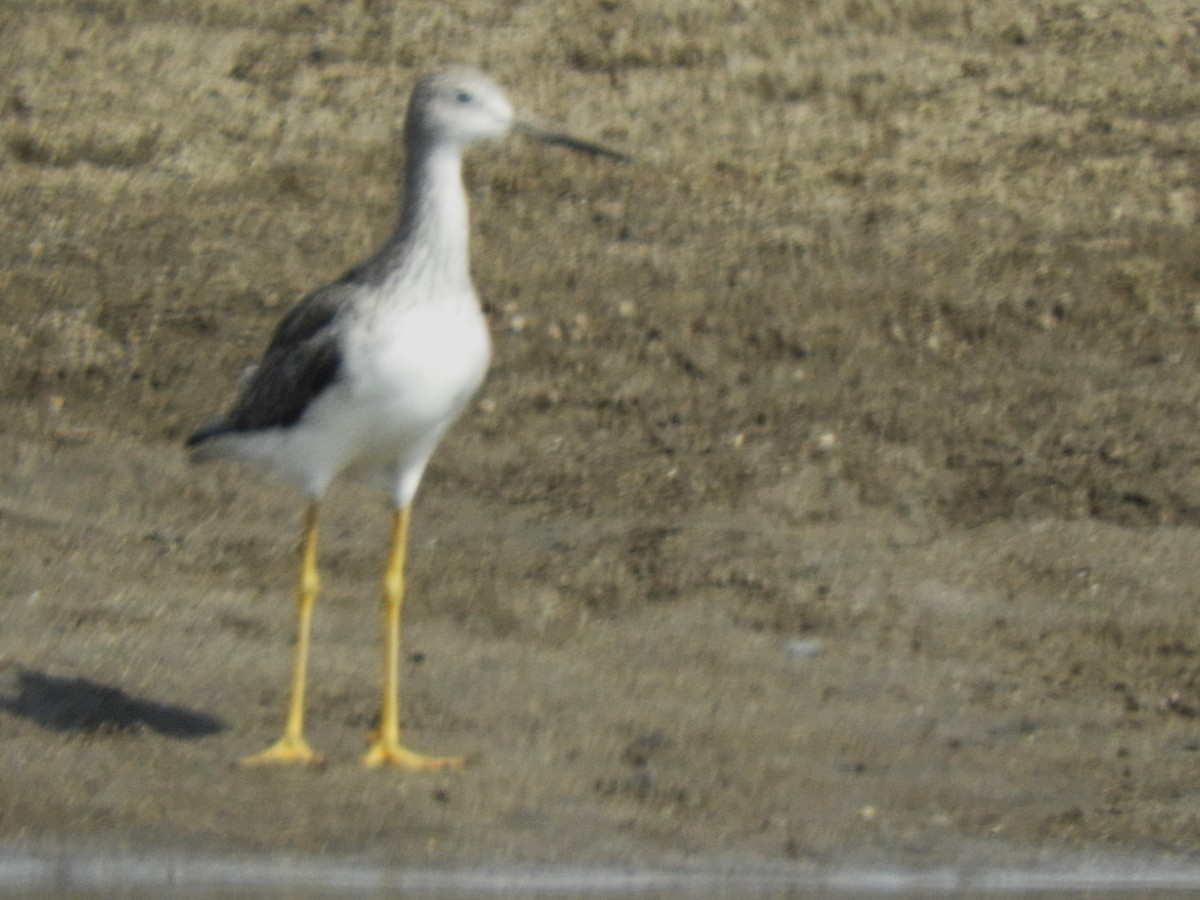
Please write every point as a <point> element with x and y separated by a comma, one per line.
<point>302,360</point>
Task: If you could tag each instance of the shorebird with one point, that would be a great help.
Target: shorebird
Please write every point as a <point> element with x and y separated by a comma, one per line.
<point>364,376</point>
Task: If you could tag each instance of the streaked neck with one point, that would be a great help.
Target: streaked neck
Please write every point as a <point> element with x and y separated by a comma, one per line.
<point>430,248</point>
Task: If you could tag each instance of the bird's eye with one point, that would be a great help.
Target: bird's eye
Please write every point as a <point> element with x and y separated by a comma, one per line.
<point>465,97</point>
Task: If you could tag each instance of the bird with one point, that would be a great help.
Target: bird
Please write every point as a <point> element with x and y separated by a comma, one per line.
<point>364,376</point>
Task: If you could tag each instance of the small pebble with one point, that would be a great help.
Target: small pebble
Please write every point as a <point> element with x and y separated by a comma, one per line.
<point>803,648</point>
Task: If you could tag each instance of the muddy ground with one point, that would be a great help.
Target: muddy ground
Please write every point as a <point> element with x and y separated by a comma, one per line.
<point>834,493</point>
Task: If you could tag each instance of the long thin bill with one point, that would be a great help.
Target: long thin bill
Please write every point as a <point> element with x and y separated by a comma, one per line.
<point>558,139</point>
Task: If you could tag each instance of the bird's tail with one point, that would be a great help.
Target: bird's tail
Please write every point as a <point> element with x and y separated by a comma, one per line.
<point>196,442</point>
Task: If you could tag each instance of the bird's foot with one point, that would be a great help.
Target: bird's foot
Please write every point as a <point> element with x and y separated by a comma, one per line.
<point>390,753</point>
<point>285,750</point>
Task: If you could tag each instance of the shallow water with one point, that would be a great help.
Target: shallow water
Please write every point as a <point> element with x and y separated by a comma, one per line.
<point>44,876</point>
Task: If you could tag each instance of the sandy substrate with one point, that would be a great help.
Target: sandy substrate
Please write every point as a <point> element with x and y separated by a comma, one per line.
<point>833,498</point>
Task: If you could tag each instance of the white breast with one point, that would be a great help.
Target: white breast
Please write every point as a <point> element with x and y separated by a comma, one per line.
<point>418,367</point>
<point>409,375</point>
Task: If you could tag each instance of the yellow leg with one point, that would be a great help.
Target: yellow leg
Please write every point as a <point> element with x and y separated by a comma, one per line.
<point>385,746</point>
<point>292,747</point>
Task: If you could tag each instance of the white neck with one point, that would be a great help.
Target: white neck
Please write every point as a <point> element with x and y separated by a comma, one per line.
<point>429,249</point>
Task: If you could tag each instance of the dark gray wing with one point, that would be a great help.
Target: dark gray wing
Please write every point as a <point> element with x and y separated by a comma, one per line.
<point>302,360</point>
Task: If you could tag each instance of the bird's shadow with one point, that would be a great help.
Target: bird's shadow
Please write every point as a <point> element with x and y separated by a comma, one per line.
<point>83,705</point>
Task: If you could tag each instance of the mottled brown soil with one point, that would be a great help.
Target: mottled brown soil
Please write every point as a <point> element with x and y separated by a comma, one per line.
<point>834,493</point>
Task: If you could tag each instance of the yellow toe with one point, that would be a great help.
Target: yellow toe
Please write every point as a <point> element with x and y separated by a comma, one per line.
<point>286,750</point>
<point>384,753</point>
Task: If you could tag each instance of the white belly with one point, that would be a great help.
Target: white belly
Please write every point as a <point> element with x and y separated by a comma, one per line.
<point>418,369</point>
<point>403,383</point>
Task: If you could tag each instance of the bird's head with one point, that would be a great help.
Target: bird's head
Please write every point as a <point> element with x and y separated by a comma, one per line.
<point>460,106</point>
